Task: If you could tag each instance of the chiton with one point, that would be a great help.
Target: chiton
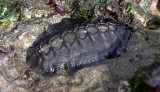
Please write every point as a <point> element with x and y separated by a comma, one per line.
<point>73,44</point>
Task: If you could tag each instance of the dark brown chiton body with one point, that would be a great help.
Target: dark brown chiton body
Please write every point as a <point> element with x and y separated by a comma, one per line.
<point>72,45</point>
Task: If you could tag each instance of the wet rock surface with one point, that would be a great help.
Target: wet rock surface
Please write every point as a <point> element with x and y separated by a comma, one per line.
<point>147,78</point>
<point>145,9</point>
<point>15,76</point>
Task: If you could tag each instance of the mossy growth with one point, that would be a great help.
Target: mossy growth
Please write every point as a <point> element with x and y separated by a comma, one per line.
<point>138,83</point>
<point>82,8</point>
<point>10,10</point>
<point>129,9</point>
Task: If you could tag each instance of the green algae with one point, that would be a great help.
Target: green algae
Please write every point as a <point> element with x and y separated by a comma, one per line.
<point>130,9</point>
<point>10,10</point>
<point>138,83</point>
<point>82,8</point>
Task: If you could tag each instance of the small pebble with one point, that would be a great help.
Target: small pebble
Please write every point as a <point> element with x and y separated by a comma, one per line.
<point>3,50</point>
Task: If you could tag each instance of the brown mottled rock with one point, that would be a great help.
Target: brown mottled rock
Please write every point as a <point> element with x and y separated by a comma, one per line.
<point>154,9</point>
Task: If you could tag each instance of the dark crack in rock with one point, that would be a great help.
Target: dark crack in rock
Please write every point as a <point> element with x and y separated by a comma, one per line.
<point>158,5</point>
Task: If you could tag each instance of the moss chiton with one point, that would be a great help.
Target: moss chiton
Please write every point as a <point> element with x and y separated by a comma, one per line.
<point>72,45</point>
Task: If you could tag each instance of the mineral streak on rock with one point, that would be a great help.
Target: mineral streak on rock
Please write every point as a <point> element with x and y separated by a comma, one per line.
<point>73,44</point>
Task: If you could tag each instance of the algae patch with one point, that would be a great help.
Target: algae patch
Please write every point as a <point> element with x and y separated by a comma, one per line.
<point>10,10</point>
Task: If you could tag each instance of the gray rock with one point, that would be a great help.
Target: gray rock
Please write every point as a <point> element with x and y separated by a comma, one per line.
<point>15,76</point>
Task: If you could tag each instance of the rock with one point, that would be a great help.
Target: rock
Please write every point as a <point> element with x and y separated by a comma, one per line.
<point>148,78</point>
<point>35,9</point>
<point>15,76</point>
<point>153,9</point>
<point>27,13</point>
